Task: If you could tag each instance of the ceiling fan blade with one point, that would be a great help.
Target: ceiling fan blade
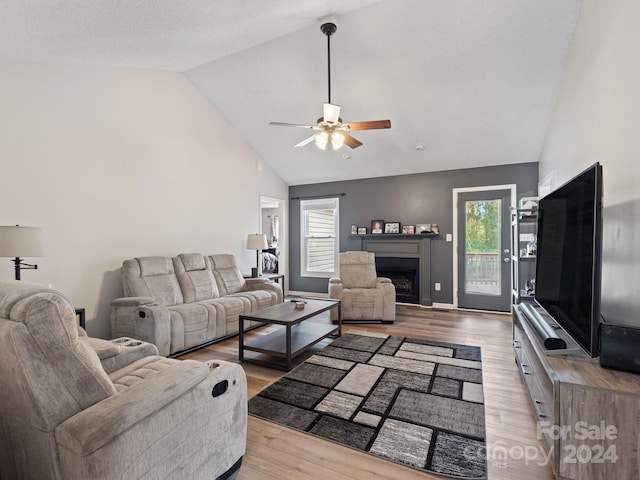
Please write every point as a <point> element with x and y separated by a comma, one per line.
<point>372,125</point>
<point>281,124</point>
<point>351,141</point>
<point>306,141</point>
<point>331,113</point>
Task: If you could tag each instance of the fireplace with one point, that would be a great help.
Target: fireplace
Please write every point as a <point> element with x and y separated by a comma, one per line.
<point>403,273</point>
<point>412,253</point>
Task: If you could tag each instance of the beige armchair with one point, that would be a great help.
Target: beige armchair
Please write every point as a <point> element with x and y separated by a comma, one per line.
<point>364,296</point>
<point>62,416</point>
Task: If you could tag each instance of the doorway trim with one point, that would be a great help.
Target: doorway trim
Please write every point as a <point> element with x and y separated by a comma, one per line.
<point>266,201</point>
<point>455,193</point>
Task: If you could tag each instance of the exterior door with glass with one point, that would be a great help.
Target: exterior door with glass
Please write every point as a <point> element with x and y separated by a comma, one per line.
<point>484,250</point>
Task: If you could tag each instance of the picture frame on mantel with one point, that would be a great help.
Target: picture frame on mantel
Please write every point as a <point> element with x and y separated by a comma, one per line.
<point>408,229</point>
<point>354,229</point>
<point>392,227</point>
<point>377,227</point>
<point>362,230</point>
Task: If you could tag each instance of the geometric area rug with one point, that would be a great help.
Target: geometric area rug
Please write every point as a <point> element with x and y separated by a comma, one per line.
<point>415,402</point>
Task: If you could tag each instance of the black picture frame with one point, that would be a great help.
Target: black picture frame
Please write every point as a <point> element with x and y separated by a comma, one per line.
<point>377,227</point>
<point>392,227</point>
<point>362,230</point>
<point>354,229</point>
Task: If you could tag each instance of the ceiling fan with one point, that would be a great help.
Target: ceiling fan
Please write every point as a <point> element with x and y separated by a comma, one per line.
<point>330,126</point>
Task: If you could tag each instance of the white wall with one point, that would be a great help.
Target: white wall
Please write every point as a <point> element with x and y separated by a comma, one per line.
<point>115,164</point>
<point>596,119</point>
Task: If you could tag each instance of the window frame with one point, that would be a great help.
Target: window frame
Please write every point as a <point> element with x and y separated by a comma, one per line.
<point>319,204</point>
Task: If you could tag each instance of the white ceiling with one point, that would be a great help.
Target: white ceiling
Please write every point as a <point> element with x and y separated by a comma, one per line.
<point>474,81</point>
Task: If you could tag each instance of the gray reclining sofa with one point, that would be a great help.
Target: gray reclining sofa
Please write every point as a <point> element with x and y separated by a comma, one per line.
<point>185,302</point>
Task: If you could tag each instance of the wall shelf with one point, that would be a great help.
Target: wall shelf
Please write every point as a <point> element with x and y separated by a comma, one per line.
<point>395,236</point>
<point>523,266</point>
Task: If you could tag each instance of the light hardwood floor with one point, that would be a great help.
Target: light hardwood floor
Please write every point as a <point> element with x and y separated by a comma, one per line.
<point>275,452</point>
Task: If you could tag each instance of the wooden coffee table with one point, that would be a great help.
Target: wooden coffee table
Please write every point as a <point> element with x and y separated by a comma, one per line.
<point>296,335</point>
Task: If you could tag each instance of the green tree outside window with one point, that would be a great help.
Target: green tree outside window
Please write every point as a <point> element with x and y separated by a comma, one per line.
<point>483,226</point>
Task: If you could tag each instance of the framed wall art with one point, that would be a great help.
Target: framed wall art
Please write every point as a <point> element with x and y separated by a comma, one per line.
<point>392,227</point>
<point>377,226</point>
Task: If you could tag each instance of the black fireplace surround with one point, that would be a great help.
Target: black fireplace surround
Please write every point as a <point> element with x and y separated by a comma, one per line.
<point>407,259</point>
<point>404,274</point>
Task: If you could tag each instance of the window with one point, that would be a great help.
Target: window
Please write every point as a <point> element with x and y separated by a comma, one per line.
<point>319,237</point>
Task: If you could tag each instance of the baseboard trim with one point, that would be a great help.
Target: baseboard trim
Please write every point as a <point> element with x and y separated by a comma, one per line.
<point>434,306</point>
<point>292,293</point>
<point>364,322</point>
<point>475,310</point>
<point>443,306</point>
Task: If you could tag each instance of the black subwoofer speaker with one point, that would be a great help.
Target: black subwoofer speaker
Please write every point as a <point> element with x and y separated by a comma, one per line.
<point>620,347</point>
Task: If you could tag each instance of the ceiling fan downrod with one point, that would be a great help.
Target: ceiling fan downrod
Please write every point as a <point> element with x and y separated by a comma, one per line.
<point>328,29</point>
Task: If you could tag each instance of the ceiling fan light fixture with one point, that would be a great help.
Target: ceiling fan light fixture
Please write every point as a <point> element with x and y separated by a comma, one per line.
<point>322,139</point>
<point>337,140</point>
<point>330,125</point>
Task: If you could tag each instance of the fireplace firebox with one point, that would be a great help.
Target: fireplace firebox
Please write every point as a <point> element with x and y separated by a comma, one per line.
<point>403,273</point>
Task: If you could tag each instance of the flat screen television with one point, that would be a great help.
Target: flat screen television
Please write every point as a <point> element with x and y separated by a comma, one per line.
<point>569,257</point>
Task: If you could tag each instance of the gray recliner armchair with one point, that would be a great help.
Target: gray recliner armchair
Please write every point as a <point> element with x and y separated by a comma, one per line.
<point>364,295</point>
<point>62,416</point>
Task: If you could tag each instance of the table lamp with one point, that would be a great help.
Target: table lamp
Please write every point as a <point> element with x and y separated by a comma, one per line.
<point>258,242</point>
<point>17,241</point>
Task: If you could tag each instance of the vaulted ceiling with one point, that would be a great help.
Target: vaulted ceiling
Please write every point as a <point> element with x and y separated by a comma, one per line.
<point>473,82</point>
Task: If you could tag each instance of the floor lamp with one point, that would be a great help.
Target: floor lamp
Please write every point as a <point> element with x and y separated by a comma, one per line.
<point>258,242</point>
<point>17,241</point>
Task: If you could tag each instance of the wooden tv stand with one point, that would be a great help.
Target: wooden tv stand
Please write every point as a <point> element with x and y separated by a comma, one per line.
<point>588,416</point>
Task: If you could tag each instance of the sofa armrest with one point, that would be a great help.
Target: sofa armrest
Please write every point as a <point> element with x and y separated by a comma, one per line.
<point>169,429</point>
<point>256,282</point>
<point>265,284</point>
<point>116,355</point>
<point>131,301</point>
<point>335,292</point>
<point>148,322</point>
<point>101,423</point>
<point>335,288</point>
<point>389,297</point>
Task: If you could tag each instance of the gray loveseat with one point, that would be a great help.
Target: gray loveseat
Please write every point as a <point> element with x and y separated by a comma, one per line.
<point>73,407</point>
<point>188,301</point>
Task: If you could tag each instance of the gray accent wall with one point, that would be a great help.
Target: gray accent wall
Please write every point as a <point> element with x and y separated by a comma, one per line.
<point>408,199</point>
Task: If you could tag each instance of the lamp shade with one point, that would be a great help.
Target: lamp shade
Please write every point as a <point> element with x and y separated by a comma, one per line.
<point>257,241</point>
<point>17,241</point>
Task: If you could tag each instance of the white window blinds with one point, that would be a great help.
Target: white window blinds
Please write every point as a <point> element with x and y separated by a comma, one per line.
<point>319,237</point>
